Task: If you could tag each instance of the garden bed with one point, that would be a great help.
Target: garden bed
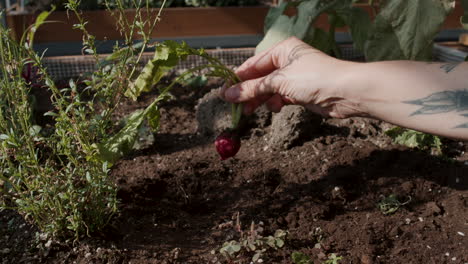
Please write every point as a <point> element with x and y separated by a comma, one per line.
<point>180,203</point>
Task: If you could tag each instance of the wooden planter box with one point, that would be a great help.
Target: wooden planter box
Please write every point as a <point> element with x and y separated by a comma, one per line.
<point>175,22</point>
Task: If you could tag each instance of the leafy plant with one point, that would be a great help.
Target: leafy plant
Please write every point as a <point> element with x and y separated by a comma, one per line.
<point>52,172</point>
<point>254,242</point>
<point>167,55</point>
<point>415,139</point>
<point>194,80</point>
<point>401,29</point>
<point>333,259</point>
<point>301,258</point>
<point>391,204</point>
<point>57,175</point>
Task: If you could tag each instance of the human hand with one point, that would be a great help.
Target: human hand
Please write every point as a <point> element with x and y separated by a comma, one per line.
<point>292,72</point>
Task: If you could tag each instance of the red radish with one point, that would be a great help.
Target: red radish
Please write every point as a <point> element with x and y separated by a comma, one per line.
<point>227,144</point>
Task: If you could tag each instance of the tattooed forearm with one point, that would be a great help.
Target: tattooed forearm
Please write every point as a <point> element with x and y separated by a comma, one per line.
<point>447,67</point>
<point>443,102</point>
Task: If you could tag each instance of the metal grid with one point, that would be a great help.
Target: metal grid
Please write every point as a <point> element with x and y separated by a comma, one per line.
<point>64,67</point>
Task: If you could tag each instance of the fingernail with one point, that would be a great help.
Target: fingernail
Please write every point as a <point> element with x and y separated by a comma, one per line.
<point>232,94</point>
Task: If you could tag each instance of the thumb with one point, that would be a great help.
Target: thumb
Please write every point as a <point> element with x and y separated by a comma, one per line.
<point>253,89</point>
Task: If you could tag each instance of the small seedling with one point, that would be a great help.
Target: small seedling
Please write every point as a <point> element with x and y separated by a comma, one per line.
<point>333,259</point>
<point>391,204</point>
<point>194,80</point>
<point>301,258</point>
<point>415,139</point>
<point>252,241</point>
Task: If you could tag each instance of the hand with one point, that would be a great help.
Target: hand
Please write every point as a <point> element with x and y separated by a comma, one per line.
<point>292,72</point>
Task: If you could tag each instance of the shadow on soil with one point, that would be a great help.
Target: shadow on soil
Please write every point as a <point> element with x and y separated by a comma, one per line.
<point>188,208</point>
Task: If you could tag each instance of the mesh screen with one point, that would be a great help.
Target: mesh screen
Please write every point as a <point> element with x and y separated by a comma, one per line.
<point>64,67</point>
<point>74,66</point>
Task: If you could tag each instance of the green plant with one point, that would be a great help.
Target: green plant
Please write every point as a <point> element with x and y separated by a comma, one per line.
<point>401,29</point>
<point>301,258</point>
<point>57,175</point>
<point>46,170</point>
<point>333,259</point>
<point>167,55</point>
<point>254,242</point>
<point>53,172</point>
<point>415,139</point>
<point>391,204</point>
<point>194,80</point>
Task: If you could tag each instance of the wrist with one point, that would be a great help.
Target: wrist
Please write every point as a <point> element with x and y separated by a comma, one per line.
<point>354,88</point>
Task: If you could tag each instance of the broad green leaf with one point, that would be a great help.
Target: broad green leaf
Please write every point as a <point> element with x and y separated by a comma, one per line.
<point>279,31</point>
<point>300,258</point>
<point>359,24</point>
<point>318,39</point>
<point>122,142</point>
<point>166,56</point>
<point>405,29</point>
<point>273,14</point>
<point>41,19</point>
<point>285,27</point>
<point>414,139</point>
<point>464,18</point>
<point>120,52</point>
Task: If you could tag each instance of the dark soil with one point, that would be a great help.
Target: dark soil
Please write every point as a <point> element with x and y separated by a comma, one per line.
<point>180,203</point>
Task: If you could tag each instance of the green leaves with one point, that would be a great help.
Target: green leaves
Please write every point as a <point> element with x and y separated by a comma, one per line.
<point>121,143</point>
<point>301,258</point>
<point>41,19</point>
<point>401,30</point>
<point>280,27</point>
<point>390,204</point>
<point>464,18</point>
<point>405,29</point>
<point>359,23</point>
<point>414,139</point>
<point>166,56</point>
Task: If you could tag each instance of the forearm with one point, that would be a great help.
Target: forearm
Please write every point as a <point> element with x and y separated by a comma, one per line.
<point>423,96</point>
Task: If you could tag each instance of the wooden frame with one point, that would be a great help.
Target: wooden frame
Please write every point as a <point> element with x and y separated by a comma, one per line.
<point>175,22</point>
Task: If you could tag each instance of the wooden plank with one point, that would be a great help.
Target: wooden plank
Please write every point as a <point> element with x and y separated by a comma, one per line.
<point>175,22</point>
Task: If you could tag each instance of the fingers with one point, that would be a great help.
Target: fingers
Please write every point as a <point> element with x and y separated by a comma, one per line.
<point>252,89</point>
<point>268,61</point>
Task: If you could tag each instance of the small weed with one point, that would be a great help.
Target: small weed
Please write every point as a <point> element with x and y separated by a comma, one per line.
<point>333,259</point>
<point>194,80</point>
<point>415,139</point>
<point>253,241</point>
<point>391,204</point>
<point>301,258</point>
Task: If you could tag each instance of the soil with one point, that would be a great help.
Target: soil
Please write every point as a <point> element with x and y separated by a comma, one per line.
<point>180,202</point>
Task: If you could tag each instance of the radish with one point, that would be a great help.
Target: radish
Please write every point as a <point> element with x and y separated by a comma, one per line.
<point>227,144</point>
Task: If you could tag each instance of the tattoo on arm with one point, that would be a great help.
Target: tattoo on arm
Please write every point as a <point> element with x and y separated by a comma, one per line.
<point>448,66</point>
<point>443,102</point>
